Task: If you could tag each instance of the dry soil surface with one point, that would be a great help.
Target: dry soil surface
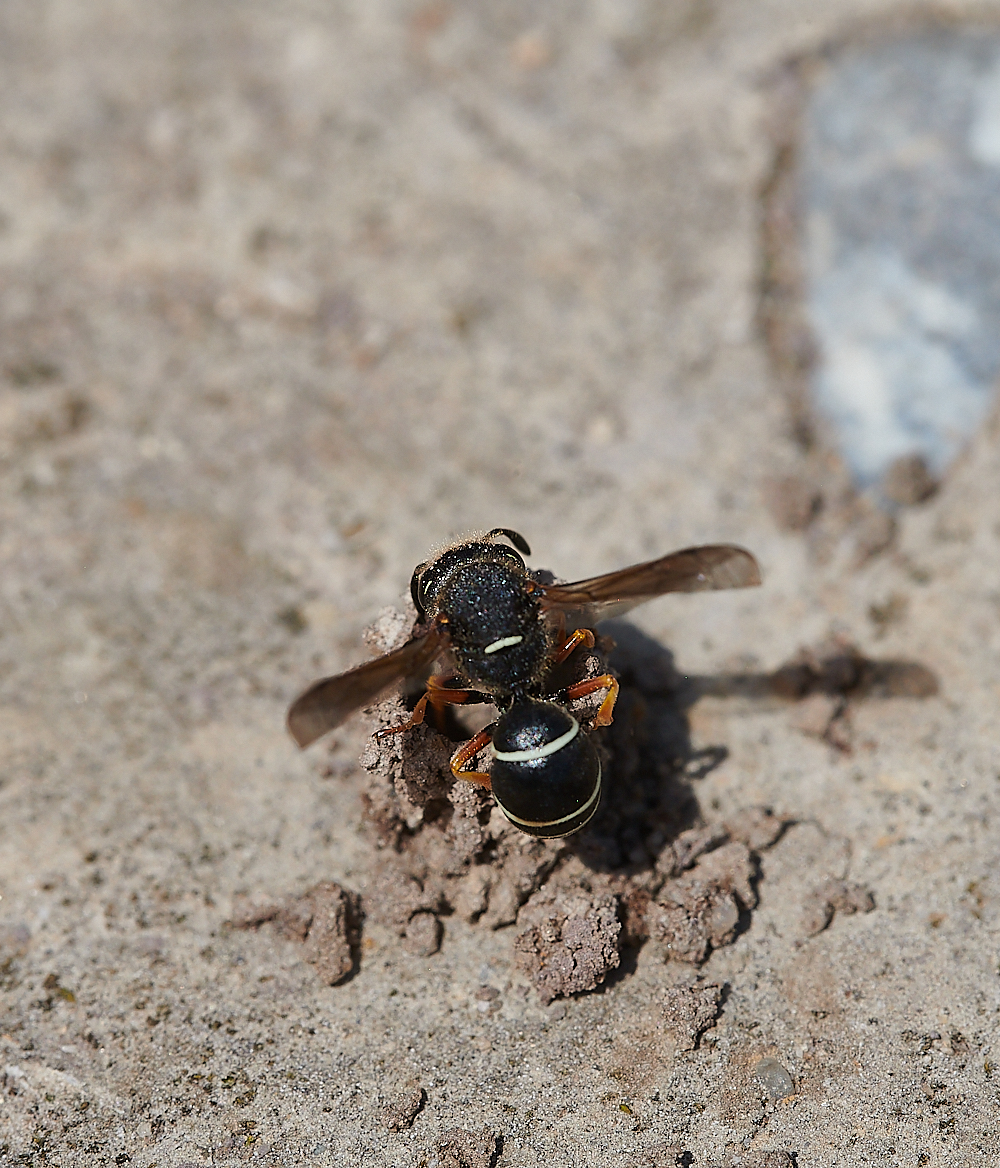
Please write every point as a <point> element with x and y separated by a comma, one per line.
<point>293,292</point>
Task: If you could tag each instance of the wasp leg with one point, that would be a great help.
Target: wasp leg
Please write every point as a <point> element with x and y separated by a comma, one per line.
<point>439,696</point>
<point>592,685</point>
<point>580,637</point>
<point>466,754</point>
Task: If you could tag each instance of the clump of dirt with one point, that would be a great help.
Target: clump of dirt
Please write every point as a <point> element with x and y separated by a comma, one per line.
<point>326,920</point>
<point>458,1148</point>
<point>645,868</point>
<point>571,942</point>
<point>688,1011</point>
<point>399,1112</point>
<point>834,896</point>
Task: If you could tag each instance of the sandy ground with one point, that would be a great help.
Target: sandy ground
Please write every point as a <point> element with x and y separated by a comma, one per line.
<point>292,293</point>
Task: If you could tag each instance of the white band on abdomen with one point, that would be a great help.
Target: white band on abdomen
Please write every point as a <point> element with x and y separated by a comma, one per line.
<point>538,751</point>
<point>555,822</point>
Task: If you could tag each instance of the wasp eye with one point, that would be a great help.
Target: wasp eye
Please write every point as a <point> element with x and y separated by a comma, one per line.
<point>416,591</point>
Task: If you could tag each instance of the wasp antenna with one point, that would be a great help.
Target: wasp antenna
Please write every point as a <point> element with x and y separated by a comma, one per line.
<point>515,538</point>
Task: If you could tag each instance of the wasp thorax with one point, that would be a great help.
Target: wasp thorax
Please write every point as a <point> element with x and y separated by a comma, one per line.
<point>546,773</point>
<point>497,636</point>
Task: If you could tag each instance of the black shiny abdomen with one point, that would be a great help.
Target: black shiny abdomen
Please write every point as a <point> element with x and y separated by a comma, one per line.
<point>556,793</point>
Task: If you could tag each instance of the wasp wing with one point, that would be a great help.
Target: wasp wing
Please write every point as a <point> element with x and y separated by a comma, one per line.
<point>330,701</point>
<point>697,569</point>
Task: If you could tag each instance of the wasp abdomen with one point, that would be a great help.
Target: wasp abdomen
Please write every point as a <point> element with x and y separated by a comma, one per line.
<point>546,773</point>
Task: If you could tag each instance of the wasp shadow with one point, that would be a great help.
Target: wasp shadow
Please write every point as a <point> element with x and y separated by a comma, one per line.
<point>648,798</point>
<point>650,761</point>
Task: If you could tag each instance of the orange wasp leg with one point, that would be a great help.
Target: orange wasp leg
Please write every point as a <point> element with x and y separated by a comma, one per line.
<point>466,754</point>
<point>592,685</point>
<point>439,696</point>
<point>580,637</point>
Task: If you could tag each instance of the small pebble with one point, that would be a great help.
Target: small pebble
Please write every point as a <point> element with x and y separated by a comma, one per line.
<point>458,1148</point>
<point>423,935</point>
<point>399,1113</point>
<point>775,1080</point>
